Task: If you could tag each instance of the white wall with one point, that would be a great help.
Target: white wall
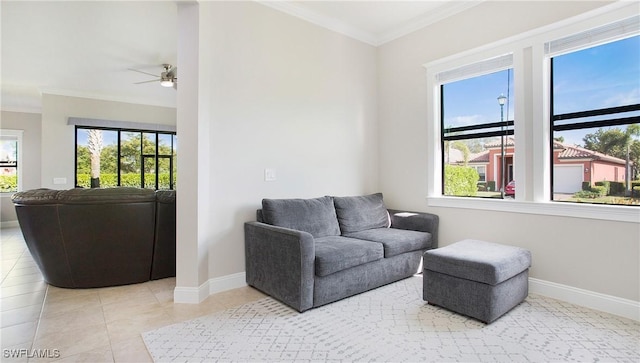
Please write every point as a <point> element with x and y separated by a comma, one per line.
<point>277,92</point>
<point>58,138</point>
<point>30,123</point>
<point>193,230</point>
<point>596,255</point>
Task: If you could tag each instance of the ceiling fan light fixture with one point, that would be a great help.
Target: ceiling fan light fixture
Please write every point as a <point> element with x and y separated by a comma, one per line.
<point>167,78</point>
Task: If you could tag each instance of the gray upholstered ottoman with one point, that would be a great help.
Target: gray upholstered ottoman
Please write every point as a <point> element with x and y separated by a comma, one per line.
<point>480,279</point>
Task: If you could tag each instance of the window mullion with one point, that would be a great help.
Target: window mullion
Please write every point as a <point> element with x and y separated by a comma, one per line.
<point>541,128</point>
<point>523,123</point>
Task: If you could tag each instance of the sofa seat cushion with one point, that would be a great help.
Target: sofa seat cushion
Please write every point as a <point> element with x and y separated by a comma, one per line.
<point>336,253</point>
<point>360,213</point>
<point>316,216</point>
<point>395,241</point>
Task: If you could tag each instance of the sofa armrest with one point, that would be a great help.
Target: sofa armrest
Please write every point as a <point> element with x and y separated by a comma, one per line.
<point>280,262</point>
<point>416,221</point>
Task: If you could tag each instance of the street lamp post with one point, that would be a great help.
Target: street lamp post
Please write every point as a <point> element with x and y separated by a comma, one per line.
<point>501,101</point>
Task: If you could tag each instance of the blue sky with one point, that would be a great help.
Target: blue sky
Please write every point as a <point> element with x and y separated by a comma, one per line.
<point>8,150</point>
<point>475,100</point>
<point>108,137</point>
<point>598,77</point>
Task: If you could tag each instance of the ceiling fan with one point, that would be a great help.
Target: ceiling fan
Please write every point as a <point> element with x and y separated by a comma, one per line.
<point>168,78</point>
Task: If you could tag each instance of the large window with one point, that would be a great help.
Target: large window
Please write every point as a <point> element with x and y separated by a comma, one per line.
<point>119,157</point>
<point>477,128</point>
<point>595,118</point>
<point>574,119</point>
<point>10,154</point>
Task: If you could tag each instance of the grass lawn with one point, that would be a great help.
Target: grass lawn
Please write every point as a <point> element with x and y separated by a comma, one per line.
<point>571,198</point>
<point>605,200</point>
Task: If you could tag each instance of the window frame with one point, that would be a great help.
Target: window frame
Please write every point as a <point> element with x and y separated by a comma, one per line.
<point>532,128</point>
<point>502,129</point>
<point>17,134</point>
<point>156,156</point>
<point>484,173</point>
<point>575,117</point>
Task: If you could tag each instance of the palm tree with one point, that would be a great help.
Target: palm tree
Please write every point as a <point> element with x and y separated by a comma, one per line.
<point>94,144</point>
<point>464,149</point>
<point>632,130</point>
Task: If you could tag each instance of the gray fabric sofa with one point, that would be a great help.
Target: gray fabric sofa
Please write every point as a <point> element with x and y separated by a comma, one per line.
<point>311,252</point>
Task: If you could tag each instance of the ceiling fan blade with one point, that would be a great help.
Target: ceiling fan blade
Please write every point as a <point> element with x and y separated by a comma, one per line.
<point>149,74</point>
<point>153,80</point>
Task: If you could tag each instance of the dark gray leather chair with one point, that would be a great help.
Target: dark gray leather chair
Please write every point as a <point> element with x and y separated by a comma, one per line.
<point>164,251</point>
<point>82,238</point>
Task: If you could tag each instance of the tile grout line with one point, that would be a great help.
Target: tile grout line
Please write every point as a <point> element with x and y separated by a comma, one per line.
<point>35,332</point>
<point>25,249</point>
<point>106,327</point>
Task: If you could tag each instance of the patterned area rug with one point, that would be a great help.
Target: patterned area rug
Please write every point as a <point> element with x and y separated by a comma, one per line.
<point>394,324</point>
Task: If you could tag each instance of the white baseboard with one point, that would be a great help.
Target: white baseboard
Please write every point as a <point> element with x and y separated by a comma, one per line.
<point>195,295</point>
<point>191,295</point>
<point>9,224</point>
<point>229,282</point>
<point>594,300</point>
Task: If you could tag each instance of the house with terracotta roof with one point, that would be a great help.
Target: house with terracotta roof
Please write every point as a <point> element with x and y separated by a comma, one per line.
<point>572,165</point>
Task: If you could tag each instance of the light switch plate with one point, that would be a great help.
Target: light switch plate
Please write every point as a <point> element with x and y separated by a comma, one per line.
<point>59,181</point>
<point>269,174</point>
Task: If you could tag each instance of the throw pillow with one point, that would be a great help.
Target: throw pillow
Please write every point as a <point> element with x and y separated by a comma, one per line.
<point>360,213</point>
<point>316,216</point>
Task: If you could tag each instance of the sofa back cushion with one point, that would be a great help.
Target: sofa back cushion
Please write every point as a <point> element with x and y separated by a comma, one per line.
<point>360,213</point>
<point>316,216</point>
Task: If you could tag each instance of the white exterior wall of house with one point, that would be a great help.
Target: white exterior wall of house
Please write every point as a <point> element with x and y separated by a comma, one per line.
<point>567,251</point>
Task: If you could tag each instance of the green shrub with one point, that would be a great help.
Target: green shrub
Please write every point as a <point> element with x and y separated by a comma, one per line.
<point>605,184</point>
<point>616,188</point>
<point>635,193</point>
<point>600,189</point>
<point>8,183</point>
<point>110,180</point>
<point>586,185</point>
<point>587,194</point>
<point>460,180</point>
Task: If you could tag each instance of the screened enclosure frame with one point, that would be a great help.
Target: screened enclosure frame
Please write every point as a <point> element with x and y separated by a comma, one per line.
<point>157,156</point>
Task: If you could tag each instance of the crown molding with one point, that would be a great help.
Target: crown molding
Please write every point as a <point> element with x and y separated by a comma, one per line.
<point>370,38</point>
<point>321,20</point>
<point>427,19</point>
<point>105,97</point>
<point>21,109</point>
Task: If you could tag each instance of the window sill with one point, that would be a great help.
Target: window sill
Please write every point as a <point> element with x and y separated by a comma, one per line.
<point>575,210</point>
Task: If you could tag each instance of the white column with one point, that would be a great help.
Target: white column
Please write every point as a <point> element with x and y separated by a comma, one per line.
<point>193,170</point>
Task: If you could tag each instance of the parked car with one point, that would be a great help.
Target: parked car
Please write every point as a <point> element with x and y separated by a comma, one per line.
<point>510,190</point>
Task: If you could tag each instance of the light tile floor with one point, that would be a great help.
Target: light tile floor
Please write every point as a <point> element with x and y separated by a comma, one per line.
<point>86,325</point>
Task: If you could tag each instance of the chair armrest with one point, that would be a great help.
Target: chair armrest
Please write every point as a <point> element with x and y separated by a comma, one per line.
<point>280,262</point>
<point>416,221</point>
